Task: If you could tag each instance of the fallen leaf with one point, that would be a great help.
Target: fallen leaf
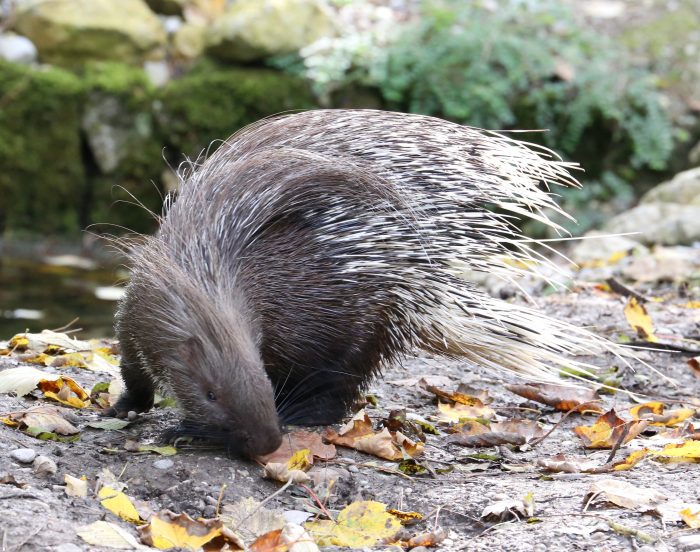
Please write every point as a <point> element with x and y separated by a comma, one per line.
<point>358,434</point>
<point>296,441</point>
<point>406,518</point>
<point>75,486</point>
<point>108,535</point>
<point>561,463</point>
<point>691,516</point>
<point>509,432</point>
<point>134,446</point>
<point>510,509</point>
<point>250,520</point>
<point>119,504</point>
<point>631,460</point>
<point>48,342</point>
<point>625,495</point>
<point>360,524</point>
<point>168,530</point>
<point>654,412</point>
<point>461,395</point>
<point>291,538</point>
<point>458,412</point>
<point>608,430</point>
<point>689,451</point>
<point>694,364</point>
<point>639,320</point>
<point>22,381</point>
<point>111,424</point>
<point>429,539</point>
<point>66,391</point>
<point>41,419</point>
<point>561,397</point>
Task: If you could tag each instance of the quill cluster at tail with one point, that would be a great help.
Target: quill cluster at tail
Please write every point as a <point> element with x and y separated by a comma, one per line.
<point>312,249</point>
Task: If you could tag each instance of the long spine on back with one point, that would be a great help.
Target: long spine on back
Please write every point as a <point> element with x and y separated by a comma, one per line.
<point>393,207</point>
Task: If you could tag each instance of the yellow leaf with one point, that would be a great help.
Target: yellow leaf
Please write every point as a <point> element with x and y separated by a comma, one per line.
<point>631,460</point>
<point>689,451</point>
<point>119,504</point>
<point>692,305</point>
<point>654,412</point>
<point>169,530</point>
<point>300,460</point>
<point>639,320</point>
<point>360,524</point>
<point>691,516</point>
<point>457,412</point>
<point>66,391</point>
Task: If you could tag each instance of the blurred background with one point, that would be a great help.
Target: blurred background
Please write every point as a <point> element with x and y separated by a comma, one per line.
<point>101,99</point>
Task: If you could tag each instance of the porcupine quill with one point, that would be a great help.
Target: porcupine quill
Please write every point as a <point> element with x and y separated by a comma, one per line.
<point>310,250</point>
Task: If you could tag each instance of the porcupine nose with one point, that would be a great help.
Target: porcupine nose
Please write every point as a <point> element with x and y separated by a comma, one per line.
<point>262,440</point>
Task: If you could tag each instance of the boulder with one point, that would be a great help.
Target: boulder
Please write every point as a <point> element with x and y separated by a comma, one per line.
<point>664,223</point>
<point>69,32</point>
<point>17,49</point>
<point>684,189</point>
<point>250,30</point>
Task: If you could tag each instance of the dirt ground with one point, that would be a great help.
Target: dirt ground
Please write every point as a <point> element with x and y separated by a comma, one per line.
<point>38,515</point>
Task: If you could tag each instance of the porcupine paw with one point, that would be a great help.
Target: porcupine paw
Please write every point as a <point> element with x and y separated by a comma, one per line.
<point>129,402</point>
<point>185,431</point>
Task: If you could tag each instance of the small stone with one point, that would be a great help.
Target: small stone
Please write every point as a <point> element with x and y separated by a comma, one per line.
<point>211,500</point>
<point>17,49</point>
<point>44,466</point>
<point>353,469</point>
<point>131,415</point>
<point>163,464</point>
<point>68,547</point>
<point>23,455</point>
<point>209,512</point>
<point>419,549</point>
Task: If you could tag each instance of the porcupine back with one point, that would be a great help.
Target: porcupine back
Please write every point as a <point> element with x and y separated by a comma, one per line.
<point>339,234</point>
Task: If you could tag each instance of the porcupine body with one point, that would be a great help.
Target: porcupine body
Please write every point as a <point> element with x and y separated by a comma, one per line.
<point>312,249</point>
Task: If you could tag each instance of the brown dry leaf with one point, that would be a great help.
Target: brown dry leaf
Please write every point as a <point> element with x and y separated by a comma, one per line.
<point>293,469</point>
<point>168,530</point>
<point>639,320</point>
<point>47,418</point>
<point>509,432</point>
<point>454,413</point>
<point>561,397</point>
<point>249,519</point>
<point>654,413</point>
<point>66,391</point>
<point>463,395</point>
<point>358,434</point>
<point>360,524</point>
<point>608,430</point>
<point>291,538</point>
<point>625,495</point>
<point>49,342</point>
<point>296,441</point>
<point>406,518</point>
<point>561,463</point>
<point>689,451</point>
<point>431,538</point>
<point>22,381</point>
<point>694,364</point>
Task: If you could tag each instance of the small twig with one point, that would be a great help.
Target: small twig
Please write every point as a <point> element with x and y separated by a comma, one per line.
<point>314,496</point>
<point>575,409</point>
<point>618,443</point>
<point>66,326</point>
<point>619,287</point>
<point>268,499</point>
<point>221,496</point>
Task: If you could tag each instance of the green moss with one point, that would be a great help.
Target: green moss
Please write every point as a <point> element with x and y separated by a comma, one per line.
<point>42,176</point>
<point>212,102</point>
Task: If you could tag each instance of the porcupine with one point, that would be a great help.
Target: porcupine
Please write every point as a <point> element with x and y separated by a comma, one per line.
<point>312,249</point>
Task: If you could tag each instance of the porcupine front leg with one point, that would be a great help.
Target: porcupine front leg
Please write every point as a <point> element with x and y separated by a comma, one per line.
<point>140,388</point>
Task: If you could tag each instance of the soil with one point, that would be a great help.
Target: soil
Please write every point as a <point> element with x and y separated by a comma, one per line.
<point>40,515</point>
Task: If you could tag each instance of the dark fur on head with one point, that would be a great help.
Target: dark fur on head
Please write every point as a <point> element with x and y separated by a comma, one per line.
<point>311,249</point>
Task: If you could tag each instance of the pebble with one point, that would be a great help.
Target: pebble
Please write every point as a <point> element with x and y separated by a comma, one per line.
<point>44,466</point>
<point>68,547</point>
<point>353,469</point>
<point>163,464</point>
<point>23,455</point>
<point>209,512</point>
<point>212,501</point>
<point>131,415</point>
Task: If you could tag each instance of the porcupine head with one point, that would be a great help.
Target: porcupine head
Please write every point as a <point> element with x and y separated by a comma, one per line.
<point>199,344</point>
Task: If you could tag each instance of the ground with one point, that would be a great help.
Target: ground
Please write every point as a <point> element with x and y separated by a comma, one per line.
<point>40,516</point>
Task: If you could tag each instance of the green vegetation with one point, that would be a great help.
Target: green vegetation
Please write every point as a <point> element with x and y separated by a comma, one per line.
<point>42,177</point>
<point>211,102</point>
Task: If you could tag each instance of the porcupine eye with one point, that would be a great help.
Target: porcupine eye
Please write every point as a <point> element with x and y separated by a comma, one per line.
<point>211,396</point>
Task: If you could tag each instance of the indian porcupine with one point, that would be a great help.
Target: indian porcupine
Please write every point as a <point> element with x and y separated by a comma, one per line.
<point>311,249</point>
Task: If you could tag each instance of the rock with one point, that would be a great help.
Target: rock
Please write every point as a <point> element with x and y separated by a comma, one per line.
<point>251,30</point>
<point>158,72</point>
<point>44,466</point>
<point>171,24</point>
<point>68,547</point>
<point>69,33</point>
<point>163,464</point>
<point>683,189</point>
<point>663,223</point>
<point>189,41</point>
<point>17,49</point>
<point>23,455</point>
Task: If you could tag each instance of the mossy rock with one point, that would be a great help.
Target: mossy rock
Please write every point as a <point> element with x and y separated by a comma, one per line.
<point>42,178</point>
<point>123,144</point>
<point>211,102</point>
